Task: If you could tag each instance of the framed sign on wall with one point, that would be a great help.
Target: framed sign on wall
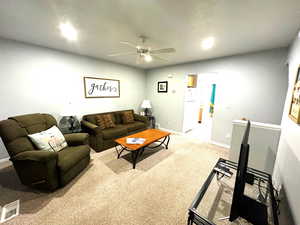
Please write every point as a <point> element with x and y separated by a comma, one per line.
<point>101,88</point>
<point>294,113</point>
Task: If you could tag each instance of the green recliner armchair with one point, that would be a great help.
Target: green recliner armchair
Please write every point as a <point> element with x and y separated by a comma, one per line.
<point>43,169</point>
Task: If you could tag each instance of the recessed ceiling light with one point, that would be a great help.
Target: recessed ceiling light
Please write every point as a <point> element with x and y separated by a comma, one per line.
<point>148,58</point>
<point>208,43</point>
<point>68,31</point>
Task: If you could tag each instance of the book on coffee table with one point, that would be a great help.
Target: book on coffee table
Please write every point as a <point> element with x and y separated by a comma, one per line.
<point>138,141</point>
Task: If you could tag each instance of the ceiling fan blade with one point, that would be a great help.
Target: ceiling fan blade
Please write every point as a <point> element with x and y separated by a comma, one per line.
<point>159,58</point>
<point>163,50</point>
<point>122,54</point>
<point>128,43</point>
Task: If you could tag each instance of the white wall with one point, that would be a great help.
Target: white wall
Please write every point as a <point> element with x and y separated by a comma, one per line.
<point>251,85</point>
<point>35,79</point>
<point>287,164</point>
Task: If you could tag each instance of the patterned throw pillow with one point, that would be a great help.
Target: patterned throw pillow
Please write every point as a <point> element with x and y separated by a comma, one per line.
<point>127,117</point>
<point>100,122</point>
<point>105,121</point>
<point>51,140</point>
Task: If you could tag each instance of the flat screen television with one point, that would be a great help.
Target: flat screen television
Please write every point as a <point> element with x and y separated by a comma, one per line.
<point>242,205</point>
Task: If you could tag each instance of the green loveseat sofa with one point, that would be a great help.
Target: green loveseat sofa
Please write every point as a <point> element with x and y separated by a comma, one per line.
<point>101,139</point>
<point>43,169</point>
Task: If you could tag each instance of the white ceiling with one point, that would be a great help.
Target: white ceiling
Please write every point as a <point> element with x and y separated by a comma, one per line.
<point>239,26</point>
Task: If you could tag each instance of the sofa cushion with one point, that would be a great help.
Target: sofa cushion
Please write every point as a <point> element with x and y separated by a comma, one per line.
<point>10,130</point>
<point>116,116</point>
<point>18,145</point>
<point>100,121</point>
<point>105,121</point>
<point>119,115</point>
<point>34,123</point>
<point>113,133</point>
<point>70,156</point>
<point>134,126</point>
<point>127,117</point>
<point>90,118</point>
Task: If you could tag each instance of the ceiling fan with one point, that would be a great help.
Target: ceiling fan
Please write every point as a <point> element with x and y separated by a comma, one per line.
<point>143,53</point>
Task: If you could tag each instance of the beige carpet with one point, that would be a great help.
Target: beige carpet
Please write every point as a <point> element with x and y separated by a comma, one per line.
<point>159,191</point>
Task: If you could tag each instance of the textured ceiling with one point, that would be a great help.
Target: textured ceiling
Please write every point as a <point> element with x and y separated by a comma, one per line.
<point>239,26</point>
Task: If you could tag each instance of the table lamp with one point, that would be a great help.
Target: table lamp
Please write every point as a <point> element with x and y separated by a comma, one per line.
<point>146,105</point>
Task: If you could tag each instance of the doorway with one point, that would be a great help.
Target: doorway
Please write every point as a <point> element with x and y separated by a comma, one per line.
<point>199,105</point>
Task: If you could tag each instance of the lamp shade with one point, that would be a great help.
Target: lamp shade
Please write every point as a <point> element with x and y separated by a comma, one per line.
<point>146,104</point>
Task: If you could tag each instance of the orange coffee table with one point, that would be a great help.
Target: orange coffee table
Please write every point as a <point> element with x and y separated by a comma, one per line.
<point>151,136</point>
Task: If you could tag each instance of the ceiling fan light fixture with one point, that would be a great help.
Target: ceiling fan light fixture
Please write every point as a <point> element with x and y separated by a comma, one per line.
<point>208,43</point>
<point>148,58</point>
<point>144,53</point>
<point>68,31</point>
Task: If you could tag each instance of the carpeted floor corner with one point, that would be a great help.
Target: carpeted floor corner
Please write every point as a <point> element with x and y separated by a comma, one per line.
<point>109,191</point>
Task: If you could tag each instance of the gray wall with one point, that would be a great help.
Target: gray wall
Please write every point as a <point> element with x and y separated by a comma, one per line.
<point>251,85</point>
<point>35,79</point>
<point>287,165</point>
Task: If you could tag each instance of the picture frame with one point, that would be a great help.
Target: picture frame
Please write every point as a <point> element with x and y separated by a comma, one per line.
<point>162,86</point>
<point>294,112</point>
<point>95,87</point>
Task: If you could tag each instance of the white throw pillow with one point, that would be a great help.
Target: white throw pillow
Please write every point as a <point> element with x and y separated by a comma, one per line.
<point>51,139</point>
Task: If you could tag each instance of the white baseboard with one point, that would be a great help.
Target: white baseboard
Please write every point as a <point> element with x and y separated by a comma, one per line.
<point>171,131</point>
<point>220,144</point>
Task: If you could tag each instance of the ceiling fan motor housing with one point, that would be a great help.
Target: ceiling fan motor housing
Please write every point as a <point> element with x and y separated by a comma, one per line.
<point>142,50</point>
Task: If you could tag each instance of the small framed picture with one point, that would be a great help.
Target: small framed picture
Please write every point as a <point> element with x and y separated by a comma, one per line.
<point>162,86</point>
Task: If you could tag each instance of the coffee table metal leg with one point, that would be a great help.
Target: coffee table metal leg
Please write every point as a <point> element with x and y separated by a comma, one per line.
<point>134,155</point>
<point>119,152</point>
<point>142,151</point>
<point>168,139</point>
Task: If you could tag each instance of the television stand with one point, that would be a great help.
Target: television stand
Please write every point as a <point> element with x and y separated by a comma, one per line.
<point>258,213</point>
<point>212,204</point>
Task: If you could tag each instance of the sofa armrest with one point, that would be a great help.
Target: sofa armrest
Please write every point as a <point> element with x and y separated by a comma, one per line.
<point>143,119</point>
<point>36,155</point>
<point>90,127</point>
<point>77,139</point>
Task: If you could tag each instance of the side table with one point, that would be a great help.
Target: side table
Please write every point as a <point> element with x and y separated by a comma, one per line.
<point>152,121</point>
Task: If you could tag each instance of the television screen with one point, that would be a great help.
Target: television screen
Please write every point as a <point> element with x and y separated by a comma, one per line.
<point>240,176</point>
